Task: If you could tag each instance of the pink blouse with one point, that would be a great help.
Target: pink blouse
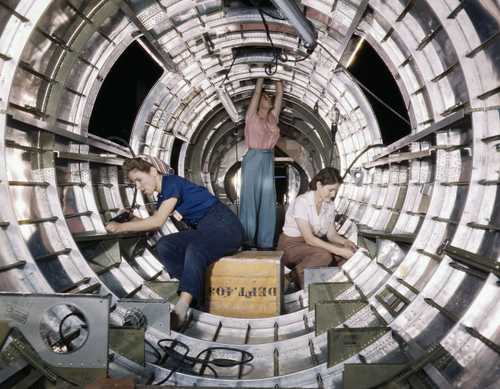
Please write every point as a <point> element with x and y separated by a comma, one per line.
<point>261,133</point>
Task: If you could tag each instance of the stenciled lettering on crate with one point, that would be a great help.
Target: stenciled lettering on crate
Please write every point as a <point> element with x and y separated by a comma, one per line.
<point>246,285</point>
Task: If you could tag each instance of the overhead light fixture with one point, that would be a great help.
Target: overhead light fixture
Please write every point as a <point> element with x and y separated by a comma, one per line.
<point>304,27</point>
<point>355,52</point>
<point>228,104</point>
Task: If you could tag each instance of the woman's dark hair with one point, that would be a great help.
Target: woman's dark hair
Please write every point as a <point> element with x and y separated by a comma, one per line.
<point>327,176</point>
<point>138,164</point>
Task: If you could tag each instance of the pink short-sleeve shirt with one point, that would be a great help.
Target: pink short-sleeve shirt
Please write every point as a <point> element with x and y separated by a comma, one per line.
<point>261,133</point>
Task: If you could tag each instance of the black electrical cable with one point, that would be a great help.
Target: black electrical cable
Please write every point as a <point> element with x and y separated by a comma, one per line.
<point>157,353</point>
<point>333,133</point>
<point>229,71</point>
<point>182,359</point>
<point>208,42</point>
<point>364,87</point>
<point>185,361</point>
<point>227,362</point>
<point>256,5</point>
<point>359,156</point>
<point>276,56</point>
<point>62,338</point>
<point>301,59</point>
<point>270,69</point>
<point>170,352</point>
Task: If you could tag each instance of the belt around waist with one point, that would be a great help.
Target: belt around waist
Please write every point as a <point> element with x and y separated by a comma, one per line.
<point>261,150</point>
<point>209,210</point>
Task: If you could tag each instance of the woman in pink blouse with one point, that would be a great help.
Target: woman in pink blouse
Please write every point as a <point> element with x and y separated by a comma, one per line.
<point>258,194</point>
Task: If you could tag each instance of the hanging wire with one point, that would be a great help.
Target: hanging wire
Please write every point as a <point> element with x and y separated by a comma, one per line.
<point>364,87</point>
<point>284,58</point>
<point>270,69</point>
<point>257,5</point>
<point>229,70</point>
<point>359,156</point>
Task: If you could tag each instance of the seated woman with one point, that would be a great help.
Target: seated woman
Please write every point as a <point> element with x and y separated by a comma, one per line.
<point>216,230</point>
<point>309,237</point>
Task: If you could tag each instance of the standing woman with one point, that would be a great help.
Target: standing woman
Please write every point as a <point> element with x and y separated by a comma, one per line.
<point>216,231</point>
<point>258,193</point>
<point>309,237</point>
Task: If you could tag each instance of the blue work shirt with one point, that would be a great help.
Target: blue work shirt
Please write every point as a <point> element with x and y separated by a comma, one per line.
<point>193,201</point>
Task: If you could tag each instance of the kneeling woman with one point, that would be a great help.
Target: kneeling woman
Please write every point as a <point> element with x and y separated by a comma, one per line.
<point>216,230</point>
<point>309,237</point>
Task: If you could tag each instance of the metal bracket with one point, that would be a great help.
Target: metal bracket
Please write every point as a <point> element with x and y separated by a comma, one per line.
<point>365,376</point>
<point>326,291</point>
<point>344,343</point>
<point>331,314</point>
<point>166,289</point>
<point>156,312</point>
<point>133,247</point>
<point>102,255</point>
<point>82,365</point>
<point>319,274</point>
<point>128,342</point>
<point>370,246</point>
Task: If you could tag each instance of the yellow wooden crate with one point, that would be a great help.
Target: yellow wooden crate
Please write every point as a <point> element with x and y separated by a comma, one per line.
<point>248,284</point>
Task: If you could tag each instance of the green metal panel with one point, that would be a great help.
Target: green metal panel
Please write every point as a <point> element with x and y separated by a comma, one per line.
<point>370,245</point>
<point>166,289</point>
<point>365,376</point>
<point>128,342</point>
<point>4,331</point>
<point>331,314</point>
<point>392,302</point>
<point>30,380</point>
<point>20,349</point>
<point>102,255</point>
<point>325,291</point>
<point>133,247</point>
<point>398,205</point>
<point>81,376</point>
<point>344,343</point>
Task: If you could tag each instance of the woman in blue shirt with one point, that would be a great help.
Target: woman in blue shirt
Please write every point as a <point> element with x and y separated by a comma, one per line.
<point>216,230</point>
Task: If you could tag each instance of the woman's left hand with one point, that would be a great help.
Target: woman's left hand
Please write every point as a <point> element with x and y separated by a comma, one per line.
<point>116,227</point>
<point>350,245</point>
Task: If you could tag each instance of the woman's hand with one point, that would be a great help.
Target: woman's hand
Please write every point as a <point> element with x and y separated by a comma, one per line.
<point>350,245</point>
<point>346,252</point>
<point>116,227</point>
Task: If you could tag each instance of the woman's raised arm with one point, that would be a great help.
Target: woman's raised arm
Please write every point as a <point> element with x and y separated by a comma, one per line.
<point>278,99</point>
<point>254,102</point>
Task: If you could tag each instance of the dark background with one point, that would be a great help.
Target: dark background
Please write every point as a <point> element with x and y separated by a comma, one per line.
<point>122,93</point>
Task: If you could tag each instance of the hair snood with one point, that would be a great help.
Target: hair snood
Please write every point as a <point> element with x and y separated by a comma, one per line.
<point>327,176</point>
<point>144,163</point>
